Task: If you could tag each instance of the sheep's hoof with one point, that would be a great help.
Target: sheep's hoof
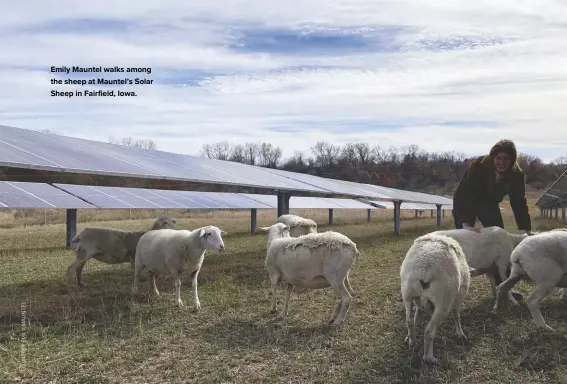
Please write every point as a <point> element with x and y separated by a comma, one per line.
<point>461,335</point>
<point>337,325</point>
<point>545,327</point>
<point>430,359</point>
<point>180,304</point>
<point>410,341</point>
<point>197,307</point>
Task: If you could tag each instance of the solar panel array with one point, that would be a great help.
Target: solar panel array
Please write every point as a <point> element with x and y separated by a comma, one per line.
<point>31,149</point>
<point>17,194</point>
<point>556,194</point>
<point>120,198</point>
<point>299,202</point>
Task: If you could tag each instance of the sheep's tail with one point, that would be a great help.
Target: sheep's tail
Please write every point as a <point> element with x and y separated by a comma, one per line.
<point>74,243</point>
<point>416,286</point>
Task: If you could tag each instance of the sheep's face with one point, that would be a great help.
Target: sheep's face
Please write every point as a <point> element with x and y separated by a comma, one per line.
<point>211,238</point>
<point>277,231</point>
<point>165,222</point>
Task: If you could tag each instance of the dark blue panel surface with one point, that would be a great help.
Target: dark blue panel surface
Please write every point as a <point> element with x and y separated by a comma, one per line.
<point>72,157</point>
<point>156,165</point>
<point>15,194</point>
<point>94,196</point>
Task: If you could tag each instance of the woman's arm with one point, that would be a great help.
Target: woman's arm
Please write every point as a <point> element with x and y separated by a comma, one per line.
<point>519,203</point>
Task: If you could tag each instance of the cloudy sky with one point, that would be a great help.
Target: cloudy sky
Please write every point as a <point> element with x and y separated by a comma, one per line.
<point>445,75</point>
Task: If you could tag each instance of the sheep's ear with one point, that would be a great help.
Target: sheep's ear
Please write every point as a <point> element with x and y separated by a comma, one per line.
<point>202,233</point>
<point>222,232</point>
<point>265,228</point>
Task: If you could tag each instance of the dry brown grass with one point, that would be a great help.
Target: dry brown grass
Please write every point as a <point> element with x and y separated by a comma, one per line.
<point>100,335</point>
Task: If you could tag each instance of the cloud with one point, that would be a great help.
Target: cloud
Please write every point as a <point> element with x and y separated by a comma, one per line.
<point>445,75</point>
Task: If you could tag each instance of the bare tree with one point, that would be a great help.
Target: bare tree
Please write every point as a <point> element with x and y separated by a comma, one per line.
<point>219,151</point>
<point>562,160</point>
<point>270,155</point>
<point>326,154</point>
<point>363,152</point>
<point>349,153</point>
<point>252,152</point>
<point>238,154</point>
<point>136,143</point>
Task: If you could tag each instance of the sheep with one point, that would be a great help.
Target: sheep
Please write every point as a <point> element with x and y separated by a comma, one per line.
<point>434,270</point>
<point>298,225</point>
<point>488,251</point>
<point>109,245</point>
<point>541,258</point>
<point>313,261</point>
<point>171,252</point>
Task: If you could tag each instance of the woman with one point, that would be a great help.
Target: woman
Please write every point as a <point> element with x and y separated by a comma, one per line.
<point>483,186</point>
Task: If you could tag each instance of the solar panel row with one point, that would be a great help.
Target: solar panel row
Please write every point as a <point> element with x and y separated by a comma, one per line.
<point>17,194</point>
<point>32,149</point>
<point>555,195</point>
<point>39,195</point>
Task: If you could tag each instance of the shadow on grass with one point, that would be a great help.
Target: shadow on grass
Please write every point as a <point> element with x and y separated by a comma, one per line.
<point>532,351</point>
<point>264,332</point>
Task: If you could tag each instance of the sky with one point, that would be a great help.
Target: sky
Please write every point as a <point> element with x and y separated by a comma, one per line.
<point>444,75</point>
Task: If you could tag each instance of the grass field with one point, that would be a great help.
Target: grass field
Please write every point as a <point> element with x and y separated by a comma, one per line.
<point>99,335</point>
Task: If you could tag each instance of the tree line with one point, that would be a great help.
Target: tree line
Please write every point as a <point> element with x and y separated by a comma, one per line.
<point>407,167</point>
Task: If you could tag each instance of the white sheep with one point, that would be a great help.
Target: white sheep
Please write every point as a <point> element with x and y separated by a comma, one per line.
<point>434,270</point>
<point>298,225</point>
<point>170,252</point>
<point>313,261</point>
<point>488,252</point>
<point>109,245</point>
<point>541,258</point>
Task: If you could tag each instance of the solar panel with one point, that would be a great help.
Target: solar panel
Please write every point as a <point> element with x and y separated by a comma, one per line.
<point>17,194</point>
<point>349,203</point>
<point>556,194</point>
<point>332,185</point>
<point>269,200</point>
<point>140,198</point>
<point>178,166</point>
<point>39,150</point>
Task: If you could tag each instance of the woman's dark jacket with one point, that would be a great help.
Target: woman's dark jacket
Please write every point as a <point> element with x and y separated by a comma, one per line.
<point>478,186</point>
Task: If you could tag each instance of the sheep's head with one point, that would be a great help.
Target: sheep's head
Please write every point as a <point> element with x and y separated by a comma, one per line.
<point>211,237</point>
<point>164,222</point>
<point>277,231</point>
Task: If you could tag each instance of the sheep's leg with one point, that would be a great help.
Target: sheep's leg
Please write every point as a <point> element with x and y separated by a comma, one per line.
<point>512,294</point>
<point>288,291</point>
<point>136,284</point>
<point>515,276</point>
<point>196,301</point>
<point>78,266</point>
<point>442,307</point>
<point>348,286</point>
<point>177,284</point>
<point>492,284</point>
<point>410,338</point>
<point>154,284</point>
<point>457,315</point>
<point>346,299</point>
<point>274,279</point>
<point>534,298</point>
